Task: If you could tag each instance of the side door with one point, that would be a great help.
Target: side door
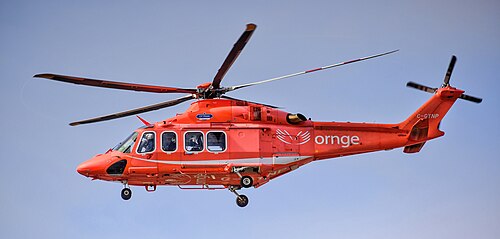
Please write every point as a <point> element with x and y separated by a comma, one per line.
<point>192,145</point>
<point>147,153</point>
<point>244,146</point>
<point>169,152</point>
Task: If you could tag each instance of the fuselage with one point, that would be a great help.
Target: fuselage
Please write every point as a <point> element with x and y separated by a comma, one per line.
<point>214,138</point>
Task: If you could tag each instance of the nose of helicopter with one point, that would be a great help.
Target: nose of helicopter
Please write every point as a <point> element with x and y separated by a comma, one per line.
<point>91,167</point>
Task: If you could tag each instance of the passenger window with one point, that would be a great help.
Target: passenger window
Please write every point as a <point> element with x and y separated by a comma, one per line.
<point>216,141</point>
<point>193,141</point>
<point>169,141</point>
<point>147,143</point>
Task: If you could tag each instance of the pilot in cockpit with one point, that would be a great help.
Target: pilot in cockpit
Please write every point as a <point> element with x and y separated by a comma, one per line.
<point>147,143</point>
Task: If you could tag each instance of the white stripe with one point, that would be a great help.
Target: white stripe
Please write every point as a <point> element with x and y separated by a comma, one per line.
<point>278,160</point>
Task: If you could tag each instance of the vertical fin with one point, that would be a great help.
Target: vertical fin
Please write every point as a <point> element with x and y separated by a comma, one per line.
<point>429,115</point>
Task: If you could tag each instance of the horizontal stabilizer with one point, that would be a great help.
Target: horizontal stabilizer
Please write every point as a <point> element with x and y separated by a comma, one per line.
<point>410,149</point>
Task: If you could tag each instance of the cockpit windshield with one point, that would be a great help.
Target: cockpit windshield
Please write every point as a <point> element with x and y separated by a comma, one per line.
<point>126,145</point>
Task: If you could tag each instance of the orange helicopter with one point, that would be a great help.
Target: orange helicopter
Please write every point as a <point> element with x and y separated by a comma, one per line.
<point>221,142</point>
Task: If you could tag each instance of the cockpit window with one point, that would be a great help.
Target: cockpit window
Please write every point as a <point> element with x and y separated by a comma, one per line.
<point>216,141</point>
<point>168,141</point>
<point>147,143</point>
<point>193,141</point>
<point>126,144</point>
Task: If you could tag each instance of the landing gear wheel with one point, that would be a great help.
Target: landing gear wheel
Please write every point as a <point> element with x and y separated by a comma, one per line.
<point>246,181</point>
<point>242,200</point>
<point>126,193</point>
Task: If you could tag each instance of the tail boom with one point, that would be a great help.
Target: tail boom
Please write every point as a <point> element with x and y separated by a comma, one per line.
<point>335,139</point>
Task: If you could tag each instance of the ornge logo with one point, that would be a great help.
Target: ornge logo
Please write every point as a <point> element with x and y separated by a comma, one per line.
<point>287,138</point>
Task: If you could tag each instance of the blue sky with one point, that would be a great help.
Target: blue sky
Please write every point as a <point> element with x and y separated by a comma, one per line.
<point>450,189</point>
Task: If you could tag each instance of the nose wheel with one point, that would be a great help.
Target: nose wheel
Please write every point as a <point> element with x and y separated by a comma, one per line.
<point>241,200</point>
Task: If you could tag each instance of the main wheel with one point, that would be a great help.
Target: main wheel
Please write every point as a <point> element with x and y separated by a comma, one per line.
<point>246,181</point>
<point>126,193</point>
<point>242,201</point>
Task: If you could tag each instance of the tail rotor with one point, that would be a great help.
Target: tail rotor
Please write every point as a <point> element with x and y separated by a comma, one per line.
<point>446,83</point>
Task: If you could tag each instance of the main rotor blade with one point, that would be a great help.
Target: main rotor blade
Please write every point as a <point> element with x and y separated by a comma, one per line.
<point>308,71</point>
<point>233,54</point>
<point>135,111</point>
<point>231,98</point>
<point>418,86</point>
<point>114,84</point>
<point>449,71</point>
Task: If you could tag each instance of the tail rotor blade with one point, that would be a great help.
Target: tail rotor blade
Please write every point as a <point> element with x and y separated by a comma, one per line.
<point>449,71</point>
<point>135,111</point>
<point>471,98</point>
<point>417,86</point>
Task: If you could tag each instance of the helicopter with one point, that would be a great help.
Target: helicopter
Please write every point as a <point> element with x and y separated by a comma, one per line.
<point>221,142</point>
